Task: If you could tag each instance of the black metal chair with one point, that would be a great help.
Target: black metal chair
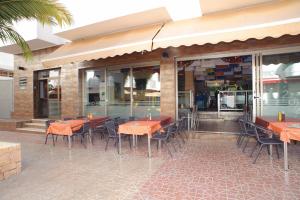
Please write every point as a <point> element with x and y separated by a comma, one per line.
<point>112,134</point>
<point>248,132</point>
<point>165,136</point>
<point>48,122</point>
<point>264,141</point>
<point>81,117</point>
<point>180,129</point>
<point>82,133</point>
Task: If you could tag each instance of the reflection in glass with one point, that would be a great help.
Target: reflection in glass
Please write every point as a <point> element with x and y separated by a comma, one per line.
<point>94,98</point>
<point>281,84</point>
<point>54,98</point>
<point>146,91</point>
<point>118,93</point>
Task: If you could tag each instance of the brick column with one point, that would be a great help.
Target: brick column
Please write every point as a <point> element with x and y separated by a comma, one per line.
<point>168,87</point>
<point>70,90</point>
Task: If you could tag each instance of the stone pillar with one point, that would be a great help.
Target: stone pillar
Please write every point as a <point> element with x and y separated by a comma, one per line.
<point>168,87</point>
<point>70,90</point>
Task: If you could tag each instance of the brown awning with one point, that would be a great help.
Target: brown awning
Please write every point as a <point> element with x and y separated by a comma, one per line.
<point>269,20</point>
<point>136,40</point>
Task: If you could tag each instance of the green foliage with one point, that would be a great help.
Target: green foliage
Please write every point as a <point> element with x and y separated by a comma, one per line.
<point>47,12</point>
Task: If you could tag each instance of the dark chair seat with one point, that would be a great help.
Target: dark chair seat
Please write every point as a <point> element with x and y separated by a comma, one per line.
<point>271,141</point>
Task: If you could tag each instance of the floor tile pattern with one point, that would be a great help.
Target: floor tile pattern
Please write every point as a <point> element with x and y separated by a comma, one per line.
<point>208,166</point>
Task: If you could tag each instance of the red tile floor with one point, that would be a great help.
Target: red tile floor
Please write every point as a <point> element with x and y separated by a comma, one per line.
<point>208,166</point>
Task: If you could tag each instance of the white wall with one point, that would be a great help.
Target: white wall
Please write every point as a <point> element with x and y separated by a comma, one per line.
<point>6,97</point>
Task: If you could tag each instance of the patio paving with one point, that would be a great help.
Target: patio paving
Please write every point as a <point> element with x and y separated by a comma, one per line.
<point>209,166</point>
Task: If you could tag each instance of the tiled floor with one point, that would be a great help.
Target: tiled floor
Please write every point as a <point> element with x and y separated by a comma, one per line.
<point>209,166</point>
<point>226,126</point>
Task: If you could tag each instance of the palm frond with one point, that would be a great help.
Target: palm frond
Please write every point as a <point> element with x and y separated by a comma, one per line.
<point>8,34</point>
<point>45,11</point>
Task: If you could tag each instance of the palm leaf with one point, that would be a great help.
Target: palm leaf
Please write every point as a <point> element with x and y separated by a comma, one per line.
<point>8,34</point>
<point>45,11</point>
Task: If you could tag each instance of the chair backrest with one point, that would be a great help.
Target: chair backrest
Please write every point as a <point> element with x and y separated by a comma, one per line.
<point>169,130</point>
<point>131,118</point>
<point>261,132</point>
<point>48,122</point>
<point>111,128</point>
<point>81,117</point>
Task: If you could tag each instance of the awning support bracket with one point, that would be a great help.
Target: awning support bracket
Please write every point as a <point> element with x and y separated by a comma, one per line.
<point>152,40</point>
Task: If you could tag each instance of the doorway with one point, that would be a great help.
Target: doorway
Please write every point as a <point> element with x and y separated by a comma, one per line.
<point>47,94</point>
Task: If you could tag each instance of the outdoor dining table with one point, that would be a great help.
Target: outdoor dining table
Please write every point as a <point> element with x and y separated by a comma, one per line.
<point>68,127</point>
<point>65,128</point>
<point>164,120</point>
<point>285,131</point>
<point>139,128</point>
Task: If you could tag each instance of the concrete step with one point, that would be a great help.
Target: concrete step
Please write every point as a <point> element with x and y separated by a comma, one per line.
<point>31,130</point>
<point>210,119</point>
<point>35,125</point>
<point>39,120</point>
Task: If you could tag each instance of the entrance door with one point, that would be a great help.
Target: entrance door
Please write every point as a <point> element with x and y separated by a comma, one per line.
<point>43,98</point>
<point>47,94</point>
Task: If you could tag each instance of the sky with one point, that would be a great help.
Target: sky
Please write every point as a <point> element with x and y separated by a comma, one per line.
<point>90,11</point>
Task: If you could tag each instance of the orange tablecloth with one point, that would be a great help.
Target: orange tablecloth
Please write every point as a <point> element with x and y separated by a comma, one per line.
<point>140,127</point>
<point>164,120</point>
<point>65,127</point>
<point>96,121</point>
<point>286,133</point>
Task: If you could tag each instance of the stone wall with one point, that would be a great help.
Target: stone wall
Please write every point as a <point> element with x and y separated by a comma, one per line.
<point>10,159</point>
<point>24,98</point>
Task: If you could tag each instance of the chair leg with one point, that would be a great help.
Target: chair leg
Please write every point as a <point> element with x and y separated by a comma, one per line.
<point>261,146</point>
<point>83,143</point>
<point>254,149</point>
<point>107,140</point>
<point>277,152</point>
<point>173,145</point>
<point>168,148</point>
<point>247,140</point>
<point>241,141</point>
<point>56,138</point>
<point>46,139</point>
<point>53,140</point>
<point>129,142</point>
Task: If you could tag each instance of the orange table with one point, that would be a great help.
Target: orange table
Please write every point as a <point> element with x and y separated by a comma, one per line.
<point>284,130</point>
<point>164,120</point>
<point>65,128</point>
<point>139,128</point>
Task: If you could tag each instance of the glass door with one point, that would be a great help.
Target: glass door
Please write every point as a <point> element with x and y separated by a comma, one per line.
<point>54,98</point>
<point>42,98</point>
<point>281,84</point>
<point>146,91</point>
<point>119,93</point>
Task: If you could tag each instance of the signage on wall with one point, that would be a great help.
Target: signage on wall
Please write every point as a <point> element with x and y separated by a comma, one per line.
<point>22,83</point>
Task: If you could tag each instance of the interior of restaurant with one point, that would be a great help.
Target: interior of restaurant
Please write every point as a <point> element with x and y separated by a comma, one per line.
<point>200,82</point>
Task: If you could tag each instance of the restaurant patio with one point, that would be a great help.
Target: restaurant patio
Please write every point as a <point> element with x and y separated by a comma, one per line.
<point>204,166</point>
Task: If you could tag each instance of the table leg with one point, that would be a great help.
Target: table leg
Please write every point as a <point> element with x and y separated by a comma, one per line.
<point>285,152</point>
<point>69,141</point>
<point>119,143</point>
<point>149,146</point>
<point>133,140</point>
<point>90,135</point>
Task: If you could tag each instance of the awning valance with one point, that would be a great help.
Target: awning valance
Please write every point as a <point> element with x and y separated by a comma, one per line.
<point>270,20</point>
<point>135,40</point>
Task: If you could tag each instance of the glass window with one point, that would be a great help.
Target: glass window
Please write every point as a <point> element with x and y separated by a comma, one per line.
<point>281,84</point>
<point>146,91</point>
<point>94,98</point>
<point>118,93</point>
